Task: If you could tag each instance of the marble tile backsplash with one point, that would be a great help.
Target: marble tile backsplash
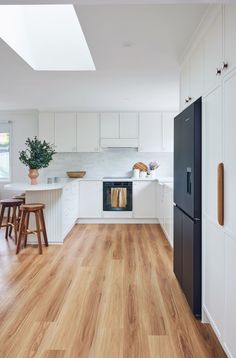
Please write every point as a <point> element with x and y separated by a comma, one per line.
<point>116,162</point>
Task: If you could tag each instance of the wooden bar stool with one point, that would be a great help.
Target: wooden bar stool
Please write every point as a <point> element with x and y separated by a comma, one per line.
<point>26,210</point>
<point>11,223</point>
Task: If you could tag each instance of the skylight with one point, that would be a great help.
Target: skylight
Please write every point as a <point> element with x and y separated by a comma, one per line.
<point>47,37</point>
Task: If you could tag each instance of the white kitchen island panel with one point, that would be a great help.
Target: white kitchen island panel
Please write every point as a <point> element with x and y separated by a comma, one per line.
<point>61,206</point>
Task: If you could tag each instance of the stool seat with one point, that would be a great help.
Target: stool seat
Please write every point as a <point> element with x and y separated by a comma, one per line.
<point>32,207</point>
<point>37,210</point>
<point>10,202</point>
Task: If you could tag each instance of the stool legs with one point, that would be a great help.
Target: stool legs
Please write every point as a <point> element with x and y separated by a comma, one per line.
<point>8,220</point>
<point>43,227</point>
<point>27,226</point>
<point>37,218</point>
<point>14,222</point>
<point>1,215</point>
<point>22,230</point>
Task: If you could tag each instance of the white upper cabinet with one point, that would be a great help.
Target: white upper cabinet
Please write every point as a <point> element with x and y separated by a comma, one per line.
<point>129,125</point>
<point>110,127</point>
<point>119,129</point>
<point>47,126</point>
<point>213,48</point>
<point>168,131</point>
<point>196,69</point>
<point>185,85</point>
<point>229,35</point>
<point>65,132</point>
<point>212,150</point>
<point>88,132</point>
<point>150,125</point>
<point>144,199</point>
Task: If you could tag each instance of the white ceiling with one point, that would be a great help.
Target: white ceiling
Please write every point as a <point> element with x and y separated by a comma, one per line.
<point>135,50</point>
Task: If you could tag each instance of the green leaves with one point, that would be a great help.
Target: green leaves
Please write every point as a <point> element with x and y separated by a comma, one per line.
<point>38,154</point>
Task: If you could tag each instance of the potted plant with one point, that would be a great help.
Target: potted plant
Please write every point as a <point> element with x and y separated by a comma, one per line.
<point>37,155</point>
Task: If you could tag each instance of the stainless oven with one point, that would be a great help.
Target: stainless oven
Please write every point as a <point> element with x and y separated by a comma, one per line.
<point>117,195</point>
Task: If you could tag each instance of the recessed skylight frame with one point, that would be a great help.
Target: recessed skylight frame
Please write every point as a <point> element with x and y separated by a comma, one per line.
<point>47,37</point>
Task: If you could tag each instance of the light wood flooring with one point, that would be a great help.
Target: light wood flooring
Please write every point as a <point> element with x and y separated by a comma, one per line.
<point>108,292</point>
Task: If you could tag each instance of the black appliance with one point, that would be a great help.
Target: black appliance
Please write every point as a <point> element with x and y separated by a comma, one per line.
<point>187,203</point>
<point>108,186</point>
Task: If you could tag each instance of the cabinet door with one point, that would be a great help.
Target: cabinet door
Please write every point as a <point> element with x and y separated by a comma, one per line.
<point>230,295</point>
<point>229,32</point>
<point>214,273</point>
<point>229,93</point>
<point>169,200</point>
<point>168,131</point>
<point>87,132</point>
<point>184,85</point>
<point>213,53</point>
<point>150,132</point>
<point>159,202</point>
<point>196,70</point>
<point>144,200</point>
<point>90,199</point>
<point>212,151</point>
<point>65,132</point>
<point>110,125</point>
<point>129,126</point>
<point>47,126</point>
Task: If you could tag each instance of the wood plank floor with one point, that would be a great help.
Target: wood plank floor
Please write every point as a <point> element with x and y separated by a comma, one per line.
<point>108,292</point>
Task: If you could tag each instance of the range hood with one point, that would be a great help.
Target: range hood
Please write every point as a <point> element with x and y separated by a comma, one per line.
<point>120,143</point>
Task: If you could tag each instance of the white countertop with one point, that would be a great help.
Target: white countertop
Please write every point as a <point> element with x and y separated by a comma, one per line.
<point>64,181</point>
<point>39,187</point>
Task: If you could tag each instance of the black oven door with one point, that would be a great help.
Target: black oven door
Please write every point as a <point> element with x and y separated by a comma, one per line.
<point>117,196</point>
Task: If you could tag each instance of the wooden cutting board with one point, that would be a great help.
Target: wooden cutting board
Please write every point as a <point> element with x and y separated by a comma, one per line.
<point>141,166</point>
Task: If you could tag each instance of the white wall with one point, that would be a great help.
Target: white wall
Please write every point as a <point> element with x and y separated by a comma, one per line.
<point>24,125</point>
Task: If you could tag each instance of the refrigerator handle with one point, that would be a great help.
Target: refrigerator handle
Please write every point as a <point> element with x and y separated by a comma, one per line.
<point>189,180</point>
<point>220,182</point>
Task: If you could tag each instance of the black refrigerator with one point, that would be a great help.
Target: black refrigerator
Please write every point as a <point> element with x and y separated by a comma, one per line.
<point>187,203</point>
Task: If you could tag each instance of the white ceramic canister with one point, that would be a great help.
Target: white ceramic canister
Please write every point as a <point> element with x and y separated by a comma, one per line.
<point>136,173</point>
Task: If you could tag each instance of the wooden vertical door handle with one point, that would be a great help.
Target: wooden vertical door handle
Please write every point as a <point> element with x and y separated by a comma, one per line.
<point>220,190</point>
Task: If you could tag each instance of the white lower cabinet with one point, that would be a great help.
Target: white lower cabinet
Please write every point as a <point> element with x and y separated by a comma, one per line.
<point>144,200</point>
<point>230,295</point>
<point>165,209</point>
<point>214,268</point>
<point>90,199</point>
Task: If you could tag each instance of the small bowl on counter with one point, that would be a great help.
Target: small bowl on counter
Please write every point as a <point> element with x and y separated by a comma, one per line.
<point>76,174</point>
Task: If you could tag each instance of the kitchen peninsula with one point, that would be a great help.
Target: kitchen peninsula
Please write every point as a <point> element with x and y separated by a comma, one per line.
<point>81,201</point>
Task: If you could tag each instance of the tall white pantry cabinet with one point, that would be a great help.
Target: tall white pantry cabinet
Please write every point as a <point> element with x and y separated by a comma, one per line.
<point>217,44</point>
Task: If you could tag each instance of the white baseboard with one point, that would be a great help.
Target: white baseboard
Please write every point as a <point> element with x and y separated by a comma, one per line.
<point>117,221</point>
